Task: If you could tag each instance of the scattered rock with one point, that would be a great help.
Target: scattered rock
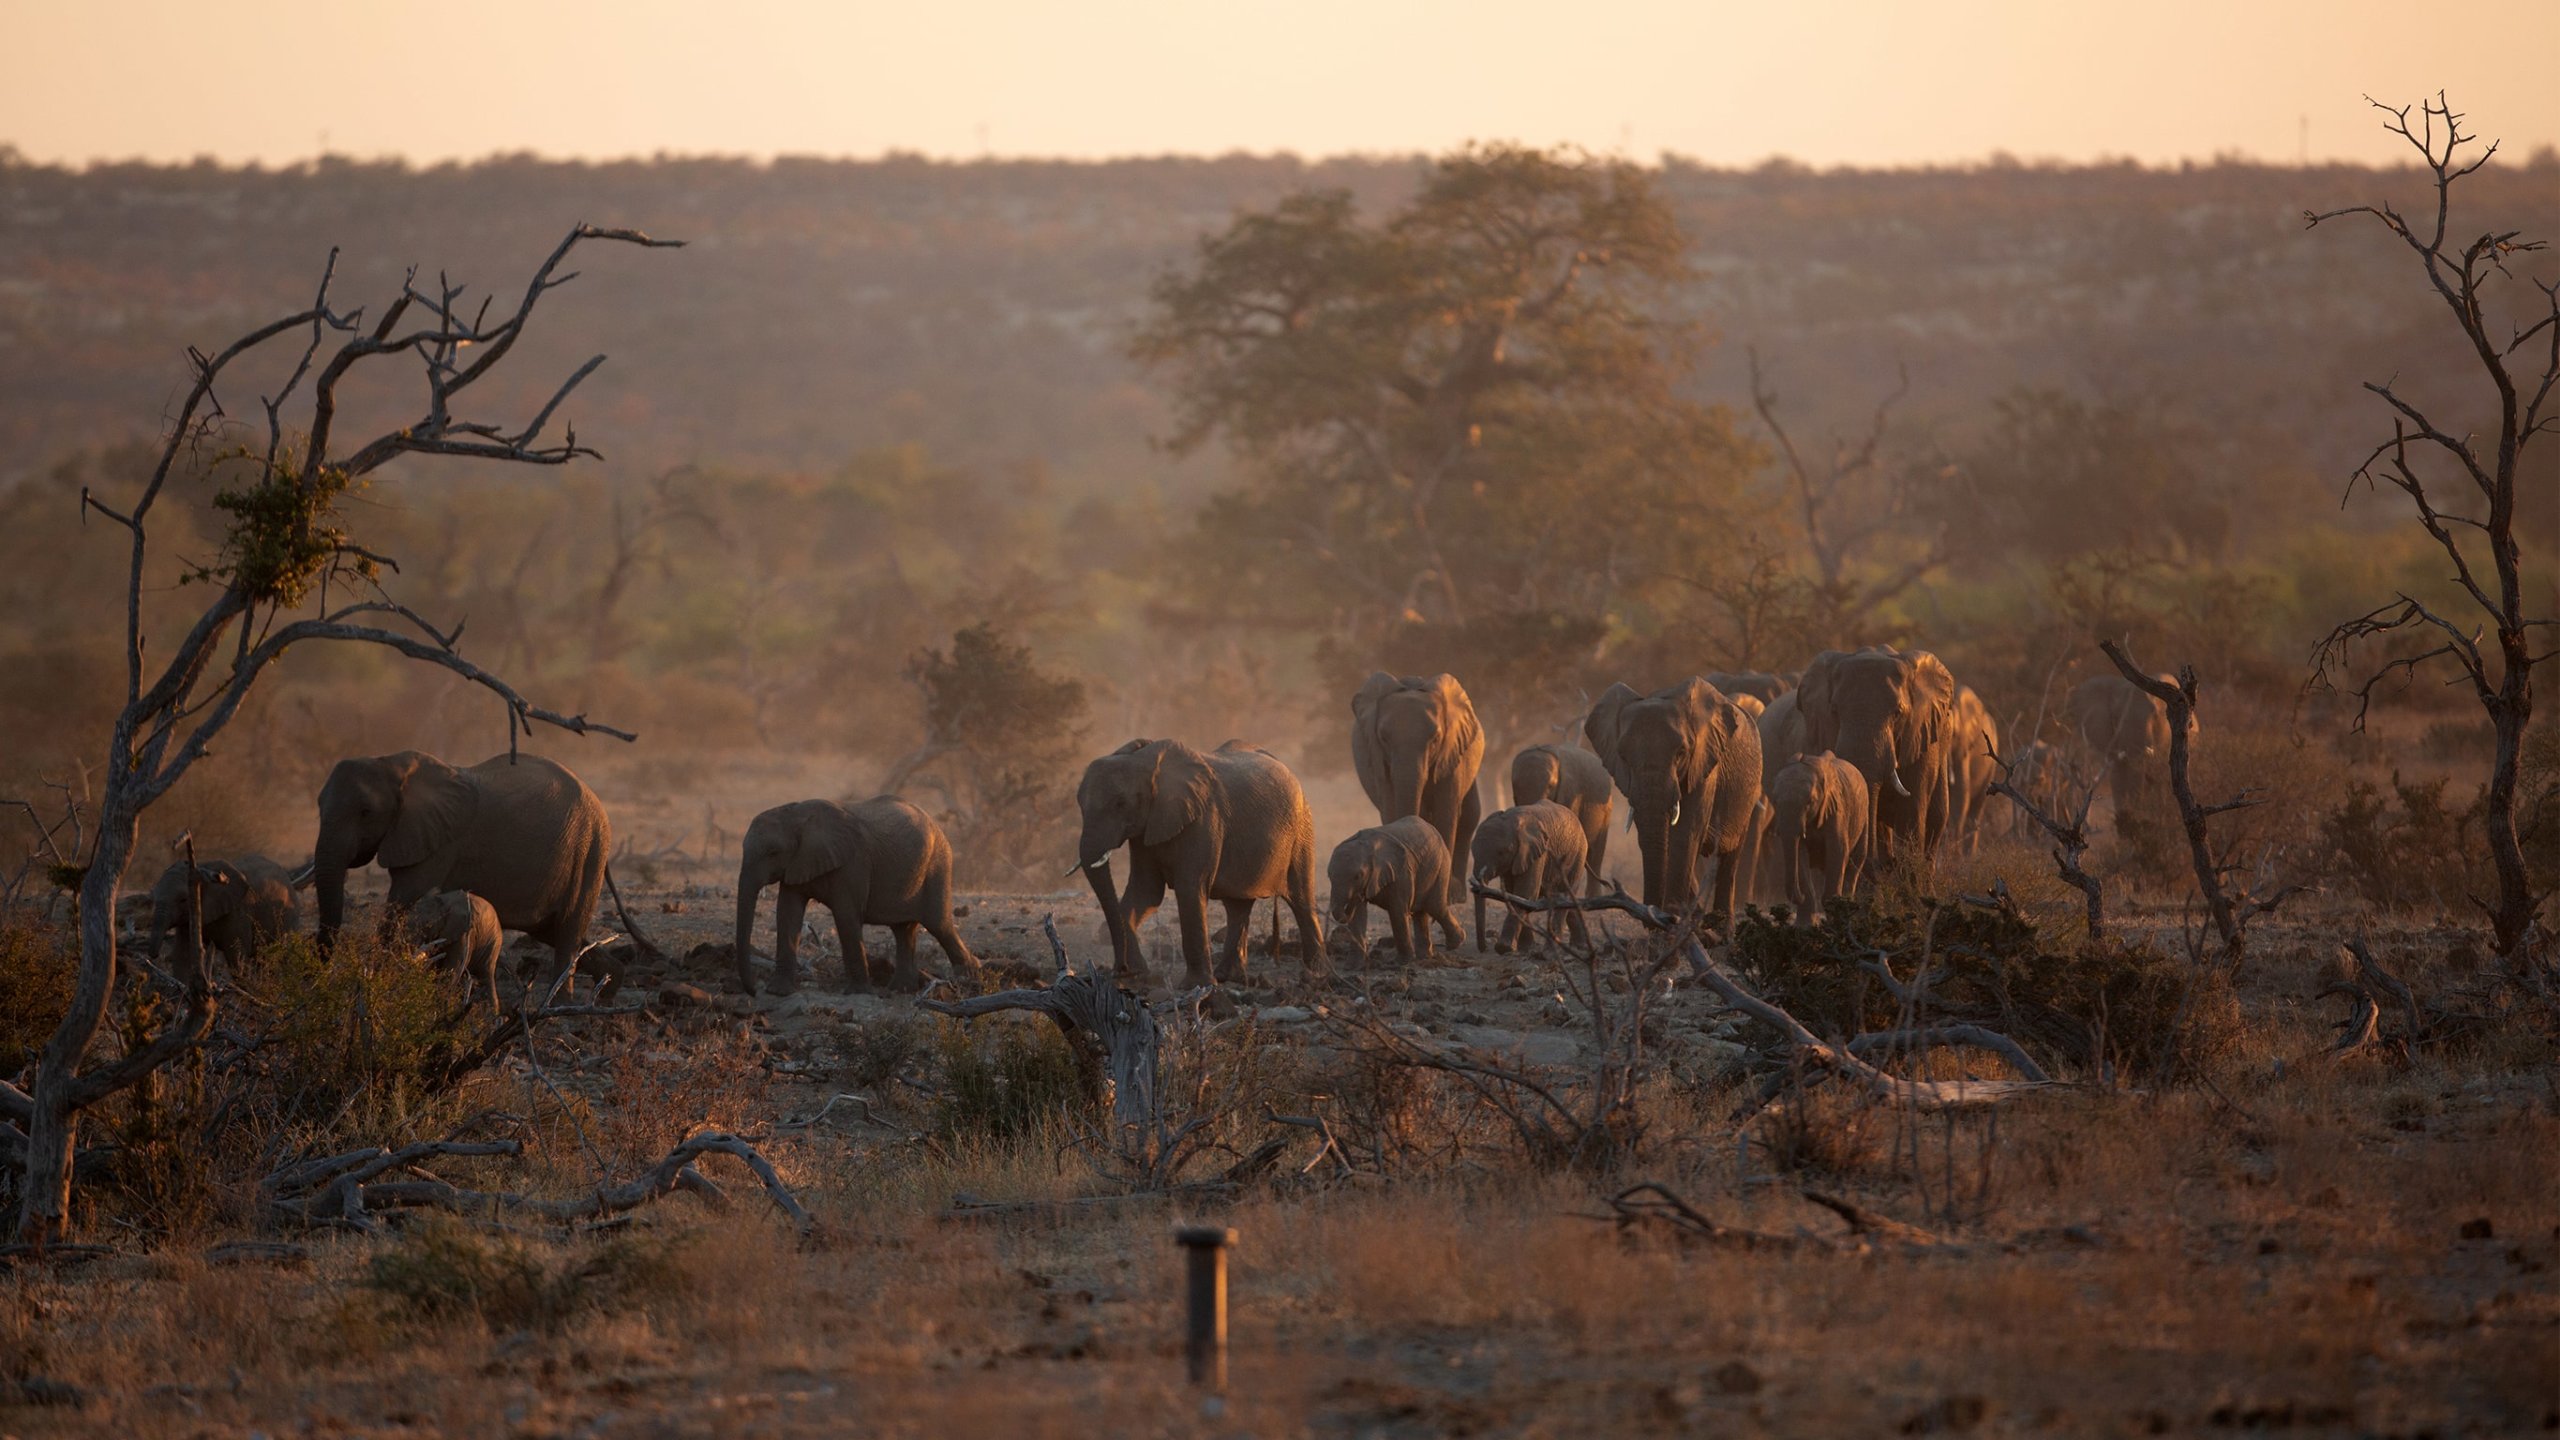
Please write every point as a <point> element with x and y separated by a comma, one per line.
<point>1284,1015</point>
<point>1537,1047</point>
<point>2478,1229</point>
<point>679,993</point>
<point>1735,1378</point>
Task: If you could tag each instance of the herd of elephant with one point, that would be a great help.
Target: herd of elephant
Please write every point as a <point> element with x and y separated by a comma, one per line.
<point>1777,786</point>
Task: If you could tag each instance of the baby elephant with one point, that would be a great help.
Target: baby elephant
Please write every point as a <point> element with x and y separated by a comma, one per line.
<point>467,927</point>
<point>1534,851</point>
<point>1818,834</point>
<point>881,862</point>
<point>1401,867</point>
<point>246,904</point>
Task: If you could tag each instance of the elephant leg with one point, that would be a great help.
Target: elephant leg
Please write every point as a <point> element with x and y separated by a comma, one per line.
<point>1231,954</point>
<point>1561,888</point>
<point>1596,859</point>
<point>790,909</point>
<point>908,977</point>
<point>1480,904</point>
<point>1439,910</point>
<point>1400,927</point>
<point>1141,900</point>
<point>857,956</point>
<point>1191,904</point>
<point>1725,877</point>
<point>954,949</point>
<point>1512,921</point>
<point>1302,907</point>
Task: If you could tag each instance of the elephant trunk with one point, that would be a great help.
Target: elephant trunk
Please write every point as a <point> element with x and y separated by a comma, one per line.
<point>329,877</point>
<point>1653,828</point>
<point>1124,939</point>
<point>752,881</point>
<point>1893,767</point>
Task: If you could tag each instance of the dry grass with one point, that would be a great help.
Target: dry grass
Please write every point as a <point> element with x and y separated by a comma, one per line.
<point>2281,1249</point>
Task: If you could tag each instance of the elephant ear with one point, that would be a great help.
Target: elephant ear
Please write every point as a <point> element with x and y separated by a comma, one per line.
<point>436,801</point>
<point>828,840</point>
<point>1181,798</point>
<point>1465,732</point>
<point>1933,693</point>
<point>1602,728</point>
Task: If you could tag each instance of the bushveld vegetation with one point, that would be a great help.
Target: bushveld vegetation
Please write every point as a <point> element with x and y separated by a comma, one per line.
<point>2254,1135</point>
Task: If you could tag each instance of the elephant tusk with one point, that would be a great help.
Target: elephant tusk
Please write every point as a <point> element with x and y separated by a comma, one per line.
<point>1675,812</point>
<point>1893,777</point>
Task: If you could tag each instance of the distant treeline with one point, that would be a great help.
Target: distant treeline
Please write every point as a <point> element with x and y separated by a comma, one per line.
<point>981,309</point>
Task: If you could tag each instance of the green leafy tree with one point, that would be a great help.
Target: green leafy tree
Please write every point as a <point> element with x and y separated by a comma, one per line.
<point>1469,411</point>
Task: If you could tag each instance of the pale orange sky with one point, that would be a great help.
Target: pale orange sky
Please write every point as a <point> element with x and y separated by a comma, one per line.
<point>1870,82</point>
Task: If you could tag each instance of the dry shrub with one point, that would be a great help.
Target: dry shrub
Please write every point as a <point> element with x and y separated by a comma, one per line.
<point>1825,1130</point>
<point>1003,1078</point>
<point>873,1053</point>
<point>35,975</point>
<point>442,1270</point>
<point>664,1090</point>
<point>2113,1003</point>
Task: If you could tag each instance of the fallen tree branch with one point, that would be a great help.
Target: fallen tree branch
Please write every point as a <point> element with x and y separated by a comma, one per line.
<point>341,1188</point>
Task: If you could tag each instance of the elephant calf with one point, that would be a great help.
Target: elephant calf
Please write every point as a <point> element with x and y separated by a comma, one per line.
<point>246,905</point>
<point>881,862</point>
<point>1403,869</point>
<point>467,927</point>
<point>1818,831</point>
<point>1575,779</point>
<point>1535,851</point>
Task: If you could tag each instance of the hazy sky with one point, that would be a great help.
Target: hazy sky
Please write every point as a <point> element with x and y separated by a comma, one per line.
<point>1872,82</point>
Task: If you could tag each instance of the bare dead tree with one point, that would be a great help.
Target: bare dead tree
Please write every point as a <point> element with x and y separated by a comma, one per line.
<point>2230,917</point>
<point>2476,530</point>
<point>2070,838</point>
<point>1827,501</point>
<point>288,574</point>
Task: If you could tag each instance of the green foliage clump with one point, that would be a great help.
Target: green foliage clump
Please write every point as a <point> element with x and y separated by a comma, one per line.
<point>2129,1007</point>
<point>283,533</point>
<point>1004,1079</point>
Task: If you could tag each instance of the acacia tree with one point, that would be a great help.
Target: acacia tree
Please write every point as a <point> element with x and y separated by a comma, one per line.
<point>2475,528</point>
<point>1432,407</point>
<point>289,572</point>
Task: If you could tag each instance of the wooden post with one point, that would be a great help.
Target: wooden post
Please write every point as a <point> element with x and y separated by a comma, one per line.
<point>1206,1284</point>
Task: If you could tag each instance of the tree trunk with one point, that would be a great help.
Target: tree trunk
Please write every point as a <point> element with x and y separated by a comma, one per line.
<point>53,1132</point>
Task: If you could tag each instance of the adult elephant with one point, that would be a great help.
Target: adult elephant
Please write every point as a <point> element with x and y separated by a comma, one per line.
<point>1688,761</point>
<point>1970,769</point>
<point>1892,714</point>
<point>1575,779</point>
<point>519,831</point>
<point>2127,729</point>
<point>1781,740</point>
<point>1231,826</point>
<point>1417,747</point>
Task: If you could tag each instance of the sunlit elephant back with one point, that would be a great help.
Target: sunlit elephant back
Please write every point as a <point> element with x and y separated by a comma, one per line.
<point>519,831</point>
<point>1417,747</point>
<point>1688,761</point>
<point>1892,715</point>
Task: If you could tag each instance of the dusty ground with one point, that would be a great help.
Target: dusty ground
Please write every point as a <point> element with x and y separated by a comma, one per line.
<point>2303,1248</point>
